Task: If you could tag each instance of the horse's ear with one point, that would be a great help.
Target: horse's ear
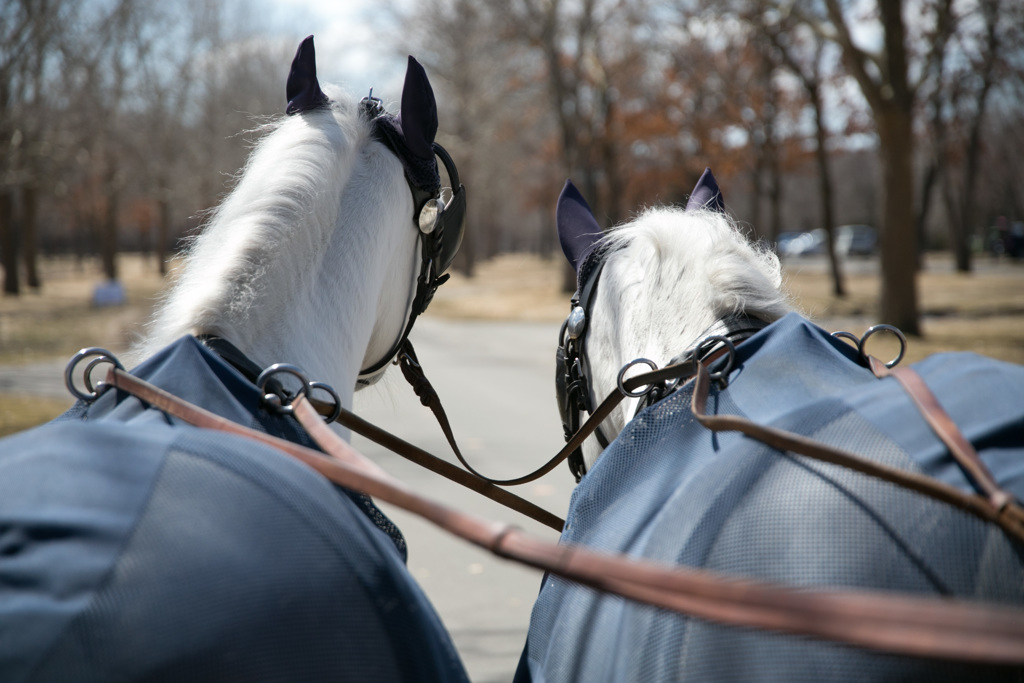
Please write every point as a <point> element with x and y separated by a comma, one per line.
<point>303,90</point>
<point>578,231</point>
<point>706,194</point>
<point>418,119</point>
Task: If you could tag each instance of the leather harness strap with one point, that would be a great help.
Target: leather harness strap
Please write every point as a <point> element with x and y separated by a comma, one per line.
<point>943,629</point>
<point>448,470</point>
<point>414,375</point>
<point>997,507</point>
<point>1000,510</point>
<point>232,355</point>
<point>943,426</point>
<point>913,626</point>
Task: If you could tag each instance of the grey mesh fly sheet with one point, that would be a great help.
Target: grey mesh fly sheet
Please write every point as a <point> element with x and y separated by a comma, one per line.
<point>670,490</point>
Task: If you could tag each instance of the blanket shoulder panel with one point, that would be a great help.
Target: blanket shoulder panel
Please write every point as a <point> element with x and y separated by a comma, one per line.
<point>670,490</point>
<point>142,552</point>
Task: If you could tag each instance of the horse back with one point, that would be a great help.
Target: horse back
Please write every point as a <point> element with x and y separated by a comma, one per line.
<point>132,548</point>
<point>669,490</point>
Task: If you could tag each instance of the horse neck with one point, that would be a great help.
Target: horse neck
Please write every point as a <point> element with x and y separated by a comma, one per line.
<point>299,264</point>
<point>669,278</point>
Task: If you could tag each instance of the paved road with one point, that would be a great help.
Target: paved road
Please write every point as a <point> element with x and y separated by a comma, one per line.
<point>495,380</point>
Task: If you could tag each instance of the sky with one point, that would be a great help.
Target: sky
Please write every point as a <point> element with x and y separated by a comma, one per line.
<point>350,39</point>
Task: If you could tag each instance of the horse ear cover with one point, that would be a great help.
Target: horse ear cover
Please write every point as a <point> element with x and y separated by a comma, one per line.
<point>706,194</point>
<point>411,134</point>
<point>303,89</point>
<point>418,119</point>
<point>578,231</point>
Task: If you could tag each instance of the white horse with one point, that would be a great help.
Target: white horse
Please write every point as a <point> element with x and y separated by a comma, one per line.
<point>314,256</point>
<point>662,291</point>
<point>671,490</point>
<point>135,547</point>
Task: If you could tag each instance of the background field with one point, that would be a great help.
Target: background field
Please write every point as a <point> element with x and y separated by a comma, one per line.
<point>983,312</point>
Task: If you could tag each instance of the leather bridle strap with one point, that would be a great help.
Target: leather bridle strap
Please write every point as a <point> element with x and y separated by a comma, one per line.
<point>1007,515</point>
<point>448,470</point>
<point>907,625</point>
<point>414,374</point>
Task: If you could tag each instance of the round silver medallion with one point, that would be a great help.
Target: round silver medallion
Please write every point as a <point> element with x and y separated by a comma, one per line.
<point>430,215</point>
<point>577,322</point>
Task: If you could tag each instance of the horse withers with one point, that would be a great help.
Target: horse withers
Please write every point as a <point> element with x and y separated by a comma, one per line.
<point>135,547</point>
<point>670,490</point>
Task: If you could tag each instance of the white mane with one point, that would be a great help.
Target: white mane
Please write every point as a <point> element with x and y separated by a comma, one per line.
<point>311,259</point>
<point>670,275</point>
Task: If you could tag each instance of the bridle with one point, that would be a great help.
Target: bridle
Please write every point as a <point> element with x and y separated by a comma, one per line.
<point>572,376</point>
<point>572,384</point>
<point>441,224</point>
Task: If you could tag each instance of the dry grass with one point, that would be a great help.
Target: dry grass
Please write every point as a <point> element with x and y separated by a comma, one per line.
<point>17,414</point>
<point>60,319</point>
<point>983,312</point>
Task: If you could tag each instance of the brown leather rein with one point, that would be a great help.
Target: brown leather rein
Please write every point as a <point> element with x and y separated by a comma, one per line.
<point>927,627</point>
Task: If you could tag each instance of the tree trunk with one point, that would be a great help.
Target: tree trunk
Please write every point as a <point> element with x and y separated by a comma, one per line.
<point>30,211</point>
<point>755,187</point>
<point>8,244</point>
<point>825,192</point>
<point>163,230</point>
<point>898,304</point>
<point>931,174</point>
<point>108,236</point>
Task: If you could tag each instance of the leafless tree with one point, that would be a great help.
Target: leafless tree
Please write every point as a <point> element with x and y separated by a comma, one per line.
<point>885,78</point>
<point>30,33</point>
<point>804,53</point>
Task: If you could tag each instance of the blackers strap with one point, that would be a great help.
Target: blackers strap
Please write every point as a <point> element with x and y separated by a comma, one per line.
<point>441,224</point>
<point>900,624</point>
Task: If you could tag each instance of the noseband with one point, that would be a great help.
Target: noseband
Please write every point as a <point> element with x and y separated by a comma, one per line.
<point>441,225</point>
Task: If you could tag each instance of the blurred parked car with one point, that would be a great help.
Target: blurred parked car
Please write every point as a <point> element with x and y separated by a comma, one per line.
<point>856,240</point>
<point>805,244</point>
<point>783,241</point>
<point>851,240</point>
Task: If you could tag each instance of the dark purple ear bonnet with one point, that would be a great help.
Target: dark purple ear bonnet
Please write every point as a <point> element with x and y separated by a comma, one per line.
<point>706,194</point>
<point>410,135</point>
<point>303,90</point>
<point>578,231</point>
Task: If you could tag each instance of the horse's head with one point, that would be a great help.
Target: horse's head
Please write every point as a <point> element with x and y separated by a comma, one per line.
<point>652,288</point>
<point>333,240</point>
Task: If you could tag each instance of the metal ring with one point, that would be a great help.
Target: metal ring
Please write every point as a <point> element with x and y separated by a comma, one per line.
<point>849,336</point>
<point>279,404</point>
<point>698,351</point>
<point>69,372</point>
<point>884,328</point>
<point>87,376</point>
<point>334,394</point>
<point>622,374</point>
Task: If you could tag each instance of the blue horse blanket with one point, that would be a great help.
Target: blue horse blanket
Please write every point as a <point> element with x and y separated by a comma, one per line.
<point>134,547</point>
<point>670,490</point>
